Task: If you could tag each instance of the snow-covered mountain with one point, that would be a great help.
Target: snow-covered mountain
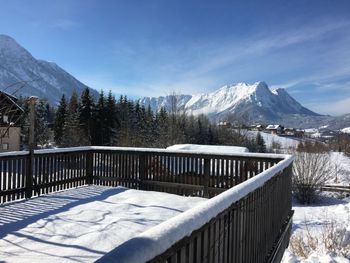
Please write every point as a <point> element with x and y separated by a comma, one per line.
<point>253,103</point>
<point>46,79</point>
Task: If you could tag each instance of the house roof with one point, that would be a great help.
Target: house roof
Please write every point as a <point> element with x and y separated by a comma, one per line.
<point>12,99</point>
<point>273,127</point>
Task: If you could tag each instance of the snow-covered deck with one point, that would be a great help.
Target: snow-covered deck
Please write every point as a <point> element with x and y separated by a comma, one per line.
<point>85,224</point>
<point>82,224</point>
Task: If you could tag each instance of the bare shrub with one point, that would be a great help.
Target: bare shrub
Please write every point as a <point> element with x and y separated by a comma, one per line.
<point>298,246</point>
<point>310,171</point>
<point>330,239</point>
<point>276,147</point>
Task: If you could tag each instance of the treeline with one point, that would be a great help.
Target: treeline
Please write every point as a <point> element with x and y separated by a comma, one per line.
<point>340,143</point>
<point>108,121</point>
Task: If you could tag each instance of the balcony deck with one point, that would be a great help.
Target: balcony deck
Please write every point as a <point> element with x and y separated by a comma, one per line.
<point>82,224</point>
<point>246,219</point>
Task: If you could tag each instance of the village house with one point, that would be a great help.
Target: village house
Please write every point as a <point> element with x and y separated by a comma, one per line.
<point>10,131</point>
<point>224,124</point>
<point>274,129</point>
<point>293,132</point>
<point>289,131</point>
<point>257,127</point>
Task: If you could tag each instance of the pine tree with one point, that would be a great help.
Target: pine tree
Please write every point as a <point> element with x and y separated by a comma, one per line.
<point>60,120</point>
<point>111,123</point>
<point>72,132</point>
<point>50,113</point>
<point>138,126</point>
<point>150,126</point>
<point>85,114</point>
<point>162,128</point>
<point>100,121</point>
<point>260,144</point>
<point>41,123</point>
<point>127,121</point>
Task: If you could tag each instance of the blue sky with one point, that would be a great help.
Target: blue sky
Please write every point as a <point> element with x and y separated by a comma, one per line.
<point>155,47</point>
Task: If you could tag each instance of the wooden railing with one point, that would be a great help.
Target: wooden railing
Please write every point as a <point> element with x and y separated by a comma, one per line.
<point>250,229</point>
<point>255,228</point>
<point>24,176</point>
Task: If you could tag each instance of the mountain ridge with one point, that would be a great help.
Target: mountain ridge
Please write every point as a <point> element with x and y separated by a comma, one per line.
<point>250,103</point>
<point>43,79</point>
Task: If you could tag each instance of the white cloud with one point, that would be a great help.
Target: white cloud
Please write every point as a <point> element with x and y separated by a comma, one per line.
<point>326,79</point>
<point>201,66</point>
<point>335,108</point>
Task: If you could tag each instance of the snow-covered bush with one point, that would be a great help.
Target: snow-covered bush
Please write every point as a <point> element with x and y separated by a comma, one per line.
<point>310,171</point>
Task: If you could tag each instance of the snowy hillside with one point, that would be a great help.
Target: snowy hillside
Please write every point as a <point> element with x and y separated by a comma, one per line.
<point>272,139</point>
<point>254,103</point>
<point>346,130</point>
<point>17,64</point>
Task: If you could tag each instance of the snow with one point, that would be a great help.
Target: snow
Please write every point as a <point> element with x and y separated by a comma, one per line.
<point>15,153</point>
<point>228,97</point>
<point>328,210</point>
<point>139,149</point>
<point>156,240</point>
<point>311,130</point>
<point>82,224</point>
<point>68,227</point>
<point>270,139</point>
<point>273,127</point>
<point>51,81</point>
<point>315,219</point>
<point>346,130</point>
<point>218,149</point>
<point>340,169</point>
<point>257,99</point>
<point>316,135</point>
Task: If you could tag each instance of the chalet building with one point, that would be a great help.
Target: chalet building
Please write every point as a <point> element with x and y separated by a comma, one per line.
<point>299,133</point>
<point>224,124</point>
<point>289,131</point>
<point>274,129</point>
<point>10,131</point>
<point>293,132</point>
<point>258,127</point>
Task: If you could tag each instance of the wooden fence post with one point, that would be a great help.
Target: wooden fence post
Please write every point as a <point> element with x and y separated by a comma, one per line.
<point>206,177</point>
<point>142,170</point>
<point>29,176</point>
<point>89,167</point>
<point>30,160</point>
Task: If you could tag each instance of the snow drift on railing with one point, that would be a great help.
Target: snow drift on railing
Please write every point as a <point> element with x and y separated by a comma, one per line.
<point>10,154</point>
<point>217,149</point>
<point>147,150</point>
<point>157,240</point>
<point>157,150</point>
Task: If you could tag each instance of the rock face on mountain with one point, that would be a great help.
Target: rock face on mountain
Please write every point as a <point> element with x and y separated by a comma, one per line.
<point>45,79</point>
<point>251,103</point>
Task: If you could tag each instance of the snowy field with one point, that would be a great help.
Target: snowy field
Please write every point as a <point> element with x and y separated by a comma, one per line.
<point>329,215</point>
<point>340,169</point>
<point>285,142</point>
<point>83,224</point>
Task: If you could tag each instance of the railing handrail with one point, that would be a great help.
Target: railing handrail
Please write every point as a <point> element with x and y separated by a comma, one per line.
<point>152,242</point>
<point>147,150</point>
